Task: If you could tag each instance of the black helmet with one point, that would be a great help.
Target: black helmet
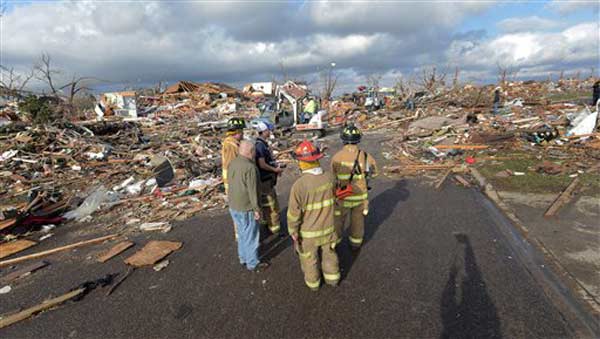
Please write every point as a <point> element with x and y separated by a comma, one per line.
<point>235,124</point>
<point>350,134</point>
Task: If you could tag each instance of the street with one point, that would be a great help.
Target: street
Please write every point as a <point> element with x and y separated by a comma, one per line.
<point>434,265</point>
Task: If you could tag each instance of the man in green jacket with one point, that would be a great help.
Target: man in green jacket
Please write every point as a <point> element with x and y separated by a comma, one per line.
<point>243,205</point>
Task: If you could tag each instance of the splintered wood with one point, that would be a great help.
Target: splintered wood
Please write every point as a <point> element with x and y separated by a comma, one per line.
<point>55,250</point>
<point>48,304</point>
<point>562,199</point>
<point>152,253</point>
<point>13,247</point>
<point>114,251</point>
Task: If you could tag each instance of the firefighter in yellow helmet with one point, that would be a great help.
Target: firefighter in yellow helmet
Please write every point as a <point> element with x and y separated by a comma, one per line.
<point>310,218</point>
<point>230,145</point>
<point>352,168</point>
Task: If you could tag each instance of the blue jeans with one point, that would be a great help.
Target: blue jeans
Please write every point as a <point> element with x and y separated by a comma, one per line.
<point>248,237</point>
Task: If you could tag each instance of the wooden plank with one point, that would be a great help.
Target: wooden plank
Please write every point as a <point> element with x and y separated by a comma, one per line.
<point>5,224</point>
<point>9,248</point>
<point>462,180</point>
<point>16,317</point>
<point>443,179</point>
<point>120,281</point>
<point>562,198</point>
<point>55,250</point>
<point>21,272</point>
<point>152,253</point>
<point>115,250</point>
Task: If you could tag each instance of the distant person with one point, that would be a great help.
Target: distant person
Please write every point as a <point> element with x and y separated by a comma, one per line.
<point>269,171</point>
<point>310,109</point>
<point>496,108</point>
<point>310,218</point>
<point>244,207</point>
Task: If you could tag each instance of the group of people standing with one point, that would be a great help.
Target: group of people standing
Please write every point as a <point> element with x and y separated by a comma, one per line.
<point>320,201</point>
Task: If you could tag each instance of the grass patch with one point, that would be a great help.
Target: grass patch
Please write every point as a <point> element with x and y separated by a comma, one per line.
<point>533,182</point>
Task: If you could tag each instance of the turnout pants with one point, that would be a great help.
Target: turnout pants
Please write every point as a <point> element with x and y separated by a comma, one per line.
<point>269,206</point>
<point>356,212</point>
<point>314,258</point>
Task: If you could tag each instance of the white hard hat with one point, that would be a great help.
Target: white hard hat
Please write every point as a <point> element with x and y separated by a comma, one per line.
<point>261,126</point>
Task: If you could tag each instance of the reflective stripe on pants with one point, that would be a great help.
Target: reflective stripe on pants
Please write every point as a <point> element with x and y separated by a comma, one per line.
<point>269,207</point>
<point>356,214</point>
<point>309,262</point>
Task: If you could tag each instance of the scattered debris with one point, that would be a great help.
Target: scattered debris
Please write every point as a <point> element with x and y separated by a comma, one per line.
<point>562,198</point>
<point>56,250</point>
<point>118,282</point>
<point>48,304</point>
<point>439,184</point>
<point>76,295</point>
<point>115,250</point>
<point>161,265</point>
<point>23,271</point>
<point>163,227</point>
<point>152,253</point>
<point>13,247</point>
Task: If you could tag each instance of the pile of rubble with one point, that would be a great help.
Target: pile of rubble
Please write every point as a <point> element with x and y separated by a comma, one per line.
<point>457,127</point>
<point>121,172</point>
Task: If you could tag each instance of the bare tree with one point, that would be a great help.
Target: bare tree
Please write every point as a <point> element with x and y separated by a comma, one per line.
<point>431,79</point>
<point>329,78</point>
<point>373,80</point>
<point>506,73</point>
<point>76,85</point>
<point>455,79</point>
<point>46,74</point>
<point>13,83</point>
<point>405,88</point>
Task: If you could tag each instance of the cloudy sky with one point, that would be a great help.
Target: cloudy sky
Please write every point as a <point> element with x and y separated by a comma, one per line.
<point>142,42</point>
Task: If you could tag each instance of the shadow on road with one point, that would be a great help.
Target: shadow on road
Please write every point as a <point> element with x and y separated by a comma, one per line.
<point>474,315</point>
<point>380,209</point>
<point>271,246</point>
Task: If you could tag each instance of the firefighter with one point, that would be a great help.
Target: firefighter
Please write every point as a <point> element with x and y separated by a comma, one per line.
<point>231,143</point>
<point>352,167</point>
<point>310,218</point>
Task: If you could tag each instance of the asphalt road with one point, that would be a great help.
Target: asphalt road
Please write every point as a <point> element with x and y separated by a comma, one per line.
<point>434,265</point>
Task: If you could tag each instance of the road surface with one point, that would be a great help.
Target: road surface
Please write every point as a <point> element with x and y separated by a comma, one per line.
<point>435,264</point>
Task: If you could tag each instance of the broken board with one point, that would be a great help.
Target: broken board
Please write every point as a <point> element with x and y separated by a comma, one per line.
<point>562,198</point>
<point>21,272</point>
<point>114,251</point>
<point>14,318</point>
<point>152,253</point>
<point>5,224</point>
<point>13,247</point>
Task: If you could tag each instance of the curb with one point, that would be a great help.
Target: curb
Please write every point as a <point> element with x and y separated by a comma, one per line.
<point>582,297</point>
